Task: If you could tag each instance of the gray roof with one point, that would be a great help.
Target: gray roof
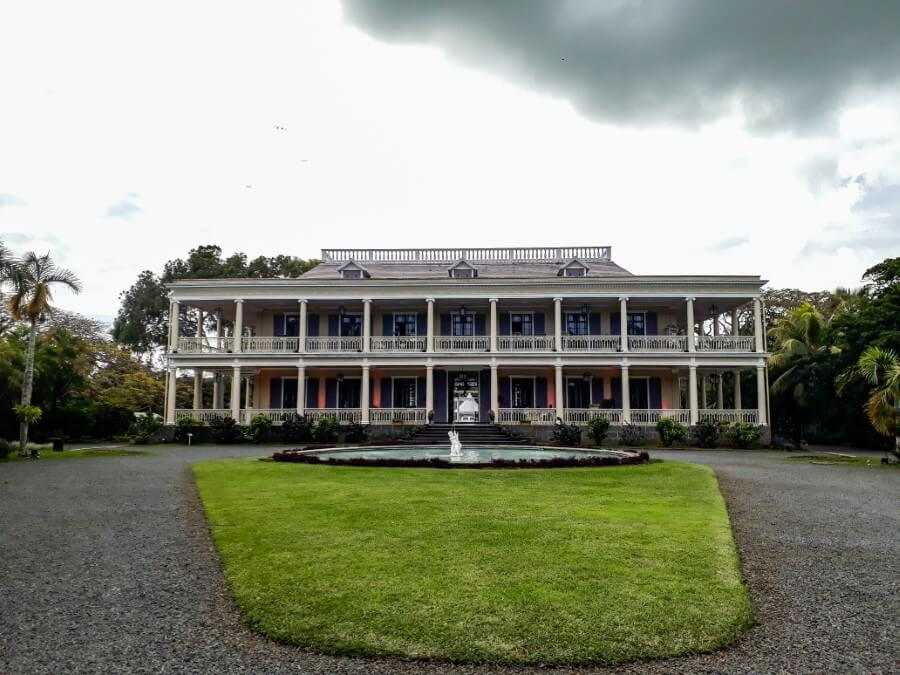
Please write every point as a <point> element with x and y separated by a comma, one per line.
<point>486,270</point>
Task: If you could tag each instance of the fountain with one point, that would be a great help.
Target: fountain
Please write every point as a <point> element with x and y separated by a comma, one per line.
<point>456,452</point>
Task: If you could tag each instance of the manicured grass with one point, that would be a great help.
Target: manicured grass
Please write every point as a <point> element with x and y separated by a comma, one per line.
<point>527,566</point>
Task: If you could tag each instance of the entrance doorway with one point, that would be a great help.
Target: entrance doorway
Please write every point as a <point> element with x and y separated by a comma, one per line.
<point>461,385</point>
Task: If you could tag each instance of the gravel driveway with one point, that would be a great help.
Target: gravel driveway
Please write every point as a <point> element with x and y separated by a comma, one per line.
<point>106,565</point>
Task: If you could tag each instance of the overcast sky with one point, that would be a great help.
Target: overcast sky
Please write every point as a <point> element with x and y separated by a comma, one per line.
<point>693,137</point>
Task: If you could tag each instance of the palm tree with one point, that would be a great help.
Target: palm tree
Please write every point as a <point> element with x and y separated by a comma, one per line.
<point>6,265</point>
<point>33,278</point>
<point>881,369</point>
<point>800,338</point>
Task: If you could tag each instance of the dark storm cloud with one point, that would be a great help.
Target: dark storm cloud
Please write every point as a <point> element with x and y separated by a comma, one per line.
<point>786,64</point>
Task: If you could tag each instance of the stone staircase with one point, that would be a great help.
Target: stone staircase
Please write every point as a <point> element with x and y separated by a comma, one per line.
<point>469,434</point>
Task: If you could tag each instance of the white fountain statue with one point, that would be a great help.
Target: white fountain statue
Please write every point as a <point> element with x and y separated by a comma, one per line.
<point>455,445</point>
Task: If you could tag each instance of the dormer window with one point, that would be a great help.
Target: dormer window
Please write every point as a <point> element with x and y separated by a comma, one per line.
<point>351,274</point>
<point>575,272</point>
<point>351,270</point>
<point>572,269</point>
<point>463,270</point>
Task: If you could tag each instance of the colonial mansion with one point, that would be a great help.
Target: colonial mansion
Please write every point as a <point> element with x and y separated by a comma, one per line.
<point>512,336</point>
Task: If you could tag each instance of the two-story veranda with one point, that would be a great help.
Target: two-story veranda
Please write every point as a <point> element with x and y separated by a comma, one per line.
<point>531,334</point>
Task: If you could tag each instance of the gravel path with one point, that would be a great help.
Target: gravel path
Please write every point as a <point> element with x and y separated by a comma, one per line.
<point>106,565</point>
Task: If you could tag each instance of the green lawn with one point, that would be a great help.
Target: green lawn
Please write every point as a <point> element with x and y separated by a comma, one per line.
<point>526,566</point>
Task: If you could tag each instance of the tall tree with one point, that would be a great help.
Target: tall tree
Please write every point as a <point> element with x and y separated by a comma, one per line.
<point>33,280</point>
<point>880,368</point>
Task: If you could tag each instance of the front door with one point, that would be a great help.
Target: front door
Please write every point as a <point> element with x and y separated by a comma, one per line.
<point>639,393</point>
<point>578,393</point>
<point>461,385</point>
<point>348,393</point>
<point>522,392</point>
<point>405,394</point>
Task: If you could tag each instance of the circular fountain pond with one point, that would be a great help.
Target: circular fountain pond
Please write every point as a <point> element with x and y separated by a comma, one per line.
<point>475,456</point>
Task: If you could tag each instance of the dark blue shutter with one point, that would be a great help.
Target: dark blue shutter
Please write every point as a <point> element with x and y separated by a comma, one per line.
<point>331,393</point>
<point>594,323</point>
<point>539,324</point>
<point>387,393</point>
<point>420,392</point>
<point>275,390</point>
<point>445,324</point>
<point>655,393</point>
<point>505,323</point>
<point>484,395</point>
<point>617,392</point>
<point>312,392</point>
<point>387,324</point>
<point>615,326</point>
<point>278,326</point>
<point>504,393</point>
<point>596,390</point>
<point>334,325</point>
<point>312,324</point>
<point>479,324</point>
<point>652,326</point>
<point>440,396</point>
<point>421,323</point>
<point>540,392</point>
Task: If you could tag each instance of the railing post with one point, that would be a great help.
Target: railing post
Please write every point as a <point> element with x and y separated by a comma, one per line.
<point>364,395</point>
<point>301,390</point>
<point>367,323</point>
<point>429,334</point>
<point>761,393</point>
<point>691,347</point>
<point>236,394</point>
<point>557,323</point>
<point>623,322</point>
<point>757,325</point>
<point>301,347</point>
<point>692,394</point>
<point>238,325</point>
<point>493,302</point>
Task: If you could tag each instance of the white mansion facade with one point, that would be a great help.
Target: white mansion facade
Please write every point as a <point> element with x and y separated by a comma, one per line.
<point>403,336</point>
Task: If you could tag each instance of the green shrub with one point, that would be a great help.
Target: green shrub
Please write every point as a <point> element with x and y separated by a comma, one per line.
<point>743,434</point>
<point>296,429</point>
<point>260,428</point>
<point>356,433</point>
<point>226,430</point>
<point>671,432</point>
<point>566,434</point>
<point>598,427</point>
<point>28,413</point>
<point>707,432</point>
<point>143,429</point>
<point>326,430</point>
<point>631,434</point>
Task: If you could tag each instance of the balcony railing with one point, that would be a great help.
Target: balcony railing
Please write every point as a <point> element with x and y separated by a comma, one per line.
<point>725,343</point>
<point>204,345</point>
<point>649,417</point>
<point>334,344</point>
<point>203,416</point>
<point>461,343</point>
<point>407,343</point>
<point>397,415</point>
<point>526,416</point>
<point>657,343</point>
<point>585,415</point>
<point>342,415</point>
<point>751,416</point>
<point>277,415</point>
<point>270,344</point>
<point>526,343</point>
<point>591,343</point>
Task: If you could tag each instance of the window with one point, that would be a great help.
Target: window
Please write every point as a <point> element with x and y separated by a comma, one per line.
<point>351,274</point>
<point>462,273</point>
<point>522,392</point>
<point>577,323</point>
<point>462,324</point>
<point>575,272</point>
<point>521,323</point>
<point>578,392</point>
<point>405,393</point>
<point>348,393</point>
<point>286,325</point>
<point>405,324</point>
<point>351,325</point>
<point>637,323</point>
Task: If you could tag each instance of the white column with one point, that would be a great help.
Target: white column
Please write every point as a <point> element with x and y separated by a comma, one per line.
<point>301,389</point>
<point>236,393</point>
<point>364,395</point>
<point>560,393</point>
<point>174,317</point>
<point>737,389</point>
<point>367,324</point>
<point>171,395</point>
<point>218,329</point>
<point>623,322</point>
<point>692,393</point>
<point>493,324</point>
<point>626,396</point>
<point>715,324</point>
<point>557,323</point>
<point>758,326</point>
<point>690,325</point>
<point>703,391</point>
<point>238,325</point>
<point>429,389</point>
<point>495,392</point>
<point>198,389</point>
<point>735,322</point>
<point>720,397</point>
<point>248,401</point>
<point>429,336</point>
<point>217,390</point>
<point>302,332</point>
<point>761,393</point>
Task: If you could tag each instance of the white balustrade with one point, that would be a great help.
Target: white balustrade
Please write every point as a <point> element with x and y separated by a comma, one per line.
<point>526,416</point>
<point>204,345</point>
<point>585,415</point>
<point>525,343</point>
<point>657,343</point>
<point>397,415</point>
<point>649,417</point>
<point>451,255</point>
<point>342,415</point>
<point>725,343</point>
<point>270,344</point>
<point>461,343</point>
<point>277,415</point>
<point>203,416</point>
<point>403,343</point>
<point>591,343</point>
<point>334,344</point>
<point>751,416</point>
